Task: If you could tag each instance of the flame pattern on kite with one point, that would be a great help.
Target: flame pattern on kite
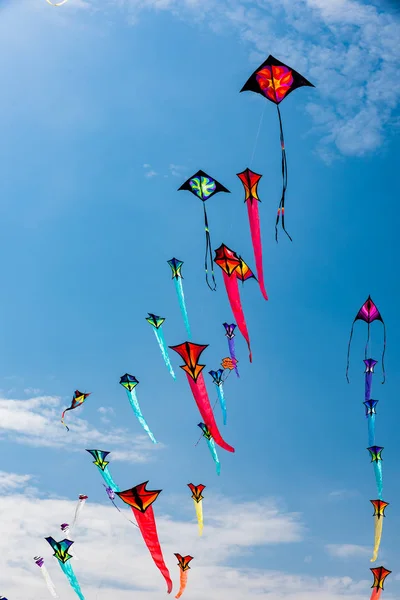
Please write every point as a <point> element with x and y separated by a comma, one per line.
<point>101,463</point>
<point>211,446</point>
<point>230,334</point>
<point>50,585</point>
<point>368,313</point>
<point>156,322</point>
<point>140,500</point>
<point>203,187</point>
<point>197,491</point>
<point>129,382</point>
<point>176,268</point>
<point>62,555</point>
<point>230,262</point>
<point>380,574</point>
<point>275,81</point>
<point>218,380</point>
<point>379,513</point>
<point>77,400</point>
<point>250,181</point>
<point>183,564</point>
<point>190,354</point>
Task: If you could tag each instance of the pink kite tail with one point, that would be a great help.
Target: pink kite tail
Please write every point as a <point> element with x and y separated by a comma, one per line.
<point>199,392</point>
<point>232,289</point>
<point>254,220</point>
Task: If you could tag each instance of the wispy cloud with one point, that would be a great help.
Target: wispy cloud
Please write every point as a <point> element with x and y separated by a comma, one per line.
<point>12,481</point>
<point>346,550</point>
<point>36,422</point>
<point>148,171</point>
<point>342,494</point>
<point>176,170</point>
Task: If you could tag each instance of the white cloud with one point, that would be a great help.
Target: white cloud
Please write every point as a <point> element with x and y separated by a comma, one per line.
<point>12,481</point>
<point>346,550</point>
<point>114,563</point>
<point>36,422</point>
<point>343,494</point>
<point>176,170</point>
<point>150,173</point>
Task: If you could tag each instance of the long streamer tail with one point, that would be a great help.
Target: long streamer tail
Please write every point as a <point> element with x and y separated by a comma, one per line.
<point>108,479</point>
<point>222,403</point>
<point>254,220</point>
<point>232,289</point>
<point>182,304</point>
<point>371,430</point>
<point>281,209</point>
<point>208,259</point>
<point>68,570</point>
<point>49,583</point>
<point>376,594</point>
<point>379,478</point>
<point>378,537</point>
<point>182,583</point>
<point>138,413</point>
<point>164,350</point>
<point>231,344</point>
<point>200,395</point>
<point>62,418</point>
<point>199,514</point>
<point>78,510</point>
<point>214,454</point>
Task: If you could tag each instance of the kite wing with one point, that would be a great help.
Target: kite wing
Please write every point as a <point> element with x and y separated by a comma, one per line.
<point>77,399</point>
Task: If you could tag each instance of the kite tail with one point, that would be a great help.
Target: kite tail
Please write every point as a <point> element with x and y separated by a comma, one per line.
<point>222,402</point>
<point>66,532</point>
<point>377,537</point>
<point>376,594</point>
<point>164,351</point>
<point>200,395</point>
<point>254,220</point>
<point>182,583</point>
<point>108,479</point>
<point>232,290</point>
<point>208,259</point>
<point>78,510</point>
<point>371,430</point>
<point>231,344</point>
<point>148,529</point>
<point>69,572</point>
<point>378,477</point>
<point>49,583</point>
<point>348,353</point>
<point>368,386</point>
<point>199,514</point>
<point>138,413</point>
<point>182,304</point>
<point>62,418</point>
<point>213,450</point>
<point>281,209</point>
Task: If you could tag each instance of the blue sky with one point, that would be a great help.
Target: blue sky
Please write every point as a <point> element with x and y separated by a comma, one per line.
<point>92,94</point>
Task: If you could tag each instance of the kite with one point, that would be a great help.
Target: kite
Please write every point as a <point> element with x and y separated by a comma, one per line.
<point>77,400</point>
<point>190,354</point>
<point>62,555</point>
<point>380,574</point>
<point>368,313</point>
<point>211,446</point>
<point>228,363</point>
<point>156,323</point>
<point>101,464</point>
<point>197,491</point>
<point>111,496</point>
<point>275,81</point>
<point>230,334</point>
<point>203,186</point>
<point>129,382</point>
<point>50,585</point>
<point>81,503</point>
<point>176,266</point>
<point>218,380</point>
<point>141,500</point>
<point>229,262</point>
<point>183,564</point>
<point>379,507</point>
<point>66,531</point>
<point>250,182</point>
<point>376,459</point>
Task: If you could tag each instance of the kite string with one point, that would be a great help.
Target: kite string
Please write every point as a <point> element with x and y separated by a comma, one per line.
<point>257,135</point>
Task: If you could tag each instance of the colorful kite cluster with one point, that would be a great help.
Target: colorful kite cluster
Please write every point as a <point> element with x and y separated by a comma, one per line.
<point>370,313</point>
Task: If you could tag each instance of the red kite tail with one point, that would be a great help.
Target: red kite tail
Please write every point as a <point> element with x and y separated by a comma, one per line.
<point>182,582</point>
<point>199,392</point>
<point>232,289</point>
<point>148,529</point>
<point>254,220</point>
<point>62,418</point>
<point>376,594</point>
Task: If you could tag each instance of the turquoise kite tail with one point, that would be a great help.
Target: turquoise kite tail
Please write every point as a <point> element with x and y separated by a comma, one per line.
<point>379,477</point>
<point>164,350</point>
<point>213,450</point>
<point>181,298</point>
<point>136,409</point>
<point>67,568</point>
<point>109,480</point>
<point>371,430</point>
<point>222,402</point>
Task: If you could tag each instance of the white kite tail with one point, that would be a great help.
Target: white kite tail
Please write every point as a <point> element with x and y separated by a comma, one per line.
<point>49,582</point>
<point>78,510</point>
<point>66,532</point>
